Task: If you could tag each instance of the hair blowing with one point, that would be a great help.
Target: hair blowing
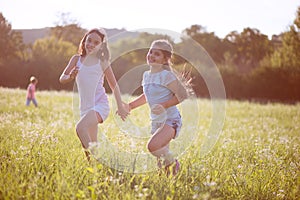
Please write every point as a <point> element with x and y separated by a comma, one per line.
<point>103,53</point>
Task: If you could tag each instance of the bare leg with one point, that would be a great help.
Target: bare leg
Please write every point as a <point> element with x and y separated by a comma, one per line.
<point>86,129</point>
<point>158,145</point>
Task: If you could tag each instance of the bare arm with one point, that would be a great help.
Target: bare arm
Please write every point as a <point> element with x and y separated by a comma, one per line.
<point>139,101</point>
<point>70,71</point>
<point>179,91</point>
<point>180,95</point>
<point>171,102</point>
<point>112,82</point>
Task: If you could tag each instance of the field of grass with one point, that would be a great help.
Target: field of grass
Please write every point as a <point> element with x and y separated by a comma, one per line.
<point>256,156</point>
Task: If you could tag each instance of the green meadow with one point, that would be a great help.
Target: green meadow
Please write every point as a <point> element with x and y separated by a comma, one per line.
<point>255,156</point>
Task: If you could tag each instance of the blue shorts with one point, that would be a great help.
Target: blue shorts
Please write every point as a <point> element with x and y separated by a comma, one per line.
<point>175,123</point>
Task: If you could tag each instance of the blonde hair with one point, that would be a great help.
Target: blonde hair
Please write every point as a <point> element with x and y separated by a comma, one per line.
<point>167,49</point>
<point>185,76</point>
<point>32,79</point>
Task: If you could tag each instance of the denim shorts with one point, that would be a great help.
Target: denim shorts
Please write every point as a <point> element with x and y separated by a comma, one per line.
<point>175,123</point>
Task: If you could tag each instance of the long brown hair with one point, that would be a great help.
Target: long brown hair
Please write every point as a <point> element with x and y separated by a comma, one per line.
<point>104,53</point>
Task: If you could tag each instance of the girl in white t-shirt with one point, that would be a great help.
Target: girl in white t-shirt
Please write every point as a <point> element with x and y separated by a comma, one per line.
<point>162,91</point>
<point>89,68</point>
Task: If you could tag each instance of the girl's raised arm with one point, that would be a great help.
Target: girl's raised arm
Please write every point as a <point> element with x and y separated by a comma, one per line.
<point>70,71</point>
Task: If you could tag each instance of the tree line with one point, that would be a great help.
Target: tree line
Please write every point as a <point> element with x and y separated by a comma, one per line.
<point>252,66</point>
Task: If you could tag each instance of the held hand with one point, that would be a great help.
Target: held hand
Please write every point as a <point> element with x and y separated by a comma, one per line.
<point>123,112</point>
<point>157,109</point>
<point>126,106</point>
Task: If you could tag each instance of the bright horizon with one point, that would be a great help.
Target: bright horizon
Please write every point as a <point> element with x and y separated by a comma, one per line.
<point>221,17</point>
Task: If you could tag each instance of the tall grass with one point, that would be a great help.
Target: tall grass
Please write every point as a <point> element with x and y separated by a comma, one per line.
<point>257,155</point>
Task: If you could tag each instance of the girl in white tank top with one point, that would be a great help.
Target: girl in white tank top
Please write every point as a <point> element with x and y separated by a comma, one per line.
<point>89,69</point>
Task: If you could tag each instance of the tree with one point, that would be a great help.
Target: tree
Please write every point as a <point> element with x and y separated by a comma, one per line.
<point>297,20</point>
<point>49,57</point>
<point>208,40</point>
<point>68,29</point>
<point>71,33</point>
<point>133,50</point>
<point>288,55</point>
<point>10,41</point>
<point>248,48</point>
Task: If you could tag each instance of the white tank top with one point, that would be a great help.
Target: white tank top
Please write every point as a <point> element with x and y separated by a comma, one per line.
<point>89,82</point>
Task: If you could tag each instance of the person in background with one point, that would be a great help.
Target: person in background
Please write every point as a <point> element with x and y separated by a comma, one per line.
<point>31,91</point>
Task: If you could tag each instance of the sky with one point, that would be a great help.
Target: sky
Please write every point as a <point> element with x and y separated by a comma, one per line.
<point>218,16</point>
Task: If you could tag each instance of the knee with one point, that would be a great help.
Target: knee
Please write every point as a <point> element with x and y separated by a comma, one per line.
<point>151,146</point>
<point>80,128</point>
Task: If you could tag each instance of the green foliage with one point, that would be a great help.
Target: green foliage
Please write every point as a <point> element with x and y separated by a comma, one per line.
<point>51,56</point>
<point>248,48</point>
<point>288,55</point>
<point>263,84</point>
<point>209,41</point>
<point>70,32</point>
<point>257,156</point>
<point>132,51</point>
<point>297,20</point>
<point>51,51</point>
<point>10,41</point>
<point>5,40</point>
<point>245,60</point>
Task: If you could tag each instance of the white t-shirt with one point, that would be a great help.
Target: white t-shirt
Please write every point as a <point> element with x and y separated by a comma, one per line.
<point>156,92</point>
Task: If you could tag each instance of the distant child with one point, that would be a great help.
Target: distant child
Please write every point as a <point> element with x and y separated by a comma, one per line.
<point>89,68</point>
<point>162,90</point>
<point>31,92</point>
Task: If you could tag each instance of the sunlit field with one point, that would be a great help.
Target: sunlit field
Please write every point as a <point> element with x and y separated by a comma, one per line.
<point>256,156</point>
